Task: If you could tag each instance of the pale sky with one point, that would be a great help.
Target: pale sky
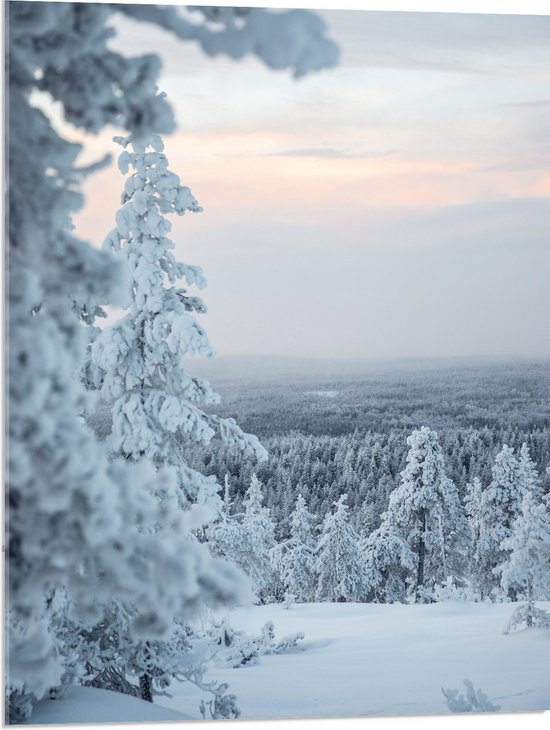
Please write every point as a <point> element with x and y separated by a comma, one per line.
<point>397,205</point>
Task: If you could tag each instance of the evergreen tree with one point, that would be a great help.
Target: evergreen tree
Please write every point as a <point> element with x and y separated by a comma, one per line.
<point>257,543</point>
<point>473,502</point>
<point>137,364</point>
<point>528,474</point>
<point>75,519</point>
<point>107,656</point>
<point>338,565</point>
<point>225,535</point>
<point>425,510</point>
<point>475,507</point>
<point>389,562</point>
<point>500,508</point>
<point>368,517</point>
<point>295,557</point>
<point>526,571</point>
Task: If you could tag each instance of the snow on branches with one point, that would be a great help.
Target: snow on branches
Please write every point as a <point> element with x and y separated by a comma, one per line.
<point>426,512</point>
<point>75,519</point>
<point>293,39</point>
<point>338,564</point>
<point>137,364</point>
<point>294,558</point>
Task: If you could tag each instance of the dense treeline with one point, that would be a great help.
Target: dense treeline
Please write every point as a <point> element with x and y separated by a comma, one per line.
<point>273,397</point>
<point>333,428</point>
<point>365,466</point>
<point>430,544</point>
<point>400,512</point>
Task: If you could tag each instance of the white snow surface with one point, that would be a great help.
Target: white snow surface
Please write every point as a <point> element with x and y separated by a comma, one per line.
<point>361,659</point>
<point>357,659</point>
<point>90,705</point>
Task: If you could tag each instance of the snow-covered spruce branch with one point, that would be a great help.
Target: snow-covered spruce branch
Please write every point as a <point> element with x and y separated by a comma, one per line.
<point>292,39</point>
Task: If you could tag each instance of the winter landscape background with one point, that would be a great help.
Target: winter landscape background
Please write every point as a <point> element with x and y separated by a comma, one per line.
<point>346,511</point>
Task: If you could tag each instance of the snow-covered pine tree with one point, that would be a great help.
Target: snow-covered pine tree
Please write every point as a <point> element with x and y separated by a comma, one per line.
<point>107,655</point>
<point>501,505</point>
<point>526,571</point>
<point>368,516</point>
<point>137,364</point>
<point>528,474</point>
<point>474,504</point>
<point>72,516</point>
<point>338,565</point>
<point>258,541</point>
<point>224,536</point>
<point>425,510</point>
<point>389,563</point>
<point>226,494</point>
<point>295,557</point>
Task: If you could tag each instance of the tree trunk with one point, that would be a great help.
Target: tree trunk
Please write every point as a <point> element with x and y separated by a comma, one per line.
<point>421,554</point>
<point>530,605</point>
<point>145,688</point>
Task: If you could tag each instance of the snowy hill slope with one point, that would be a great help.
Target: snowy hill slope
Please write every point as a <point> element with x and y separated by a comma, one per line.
<point>372,659</point>
<point>90,705</point>
<point>356,660</point>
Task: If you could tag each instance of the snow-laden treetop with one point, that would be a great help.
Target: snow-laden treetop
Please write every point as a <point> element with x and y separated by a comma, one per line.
<point>137,364</point>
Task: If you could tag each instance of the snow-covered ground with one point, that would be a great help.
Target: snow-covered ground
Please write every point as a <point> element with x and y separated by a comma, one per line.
<point>355,660</point>
<point>89,705</point>
<point>372,659</point>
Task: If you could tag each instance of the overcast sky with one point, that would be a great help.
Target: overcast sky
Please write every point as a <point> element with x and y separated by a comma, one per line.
<point>397,205</point>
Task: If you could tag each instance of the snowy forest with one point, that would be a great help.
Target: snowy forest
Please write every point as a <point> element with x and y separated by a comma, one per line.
<point>167,519</point>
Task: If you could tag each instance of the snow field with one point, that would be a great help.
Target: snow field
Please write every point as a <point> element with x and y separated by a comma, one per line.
<point>373,659</point>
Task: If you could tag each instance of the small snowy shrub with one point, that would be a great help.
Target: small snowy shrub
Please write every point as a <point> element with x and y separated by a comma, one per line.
<point>450,591</point>
<point>473,701</point>
<point>242,649</point>
<point>289,600</point>
<point>529,615</point>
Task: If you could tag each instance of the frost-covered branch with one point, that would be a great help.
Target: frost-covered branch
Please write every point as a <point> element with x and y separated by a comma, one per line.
<point>293,39</point>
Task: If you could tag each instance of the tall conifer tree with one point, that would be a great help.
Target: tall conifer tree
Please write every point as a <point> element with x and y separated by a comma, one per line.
<point>425,510</point>
<point>339,566</point>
